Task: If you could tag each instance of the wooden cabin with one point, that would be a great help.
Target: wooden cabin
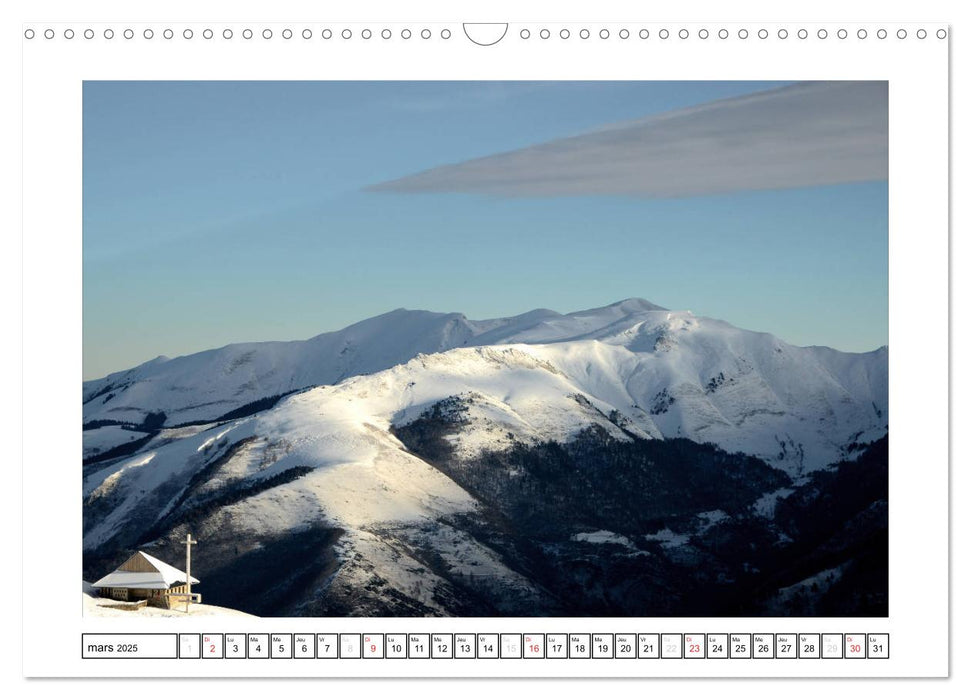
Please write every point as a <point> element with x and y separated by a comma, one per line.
<point>143,577</point>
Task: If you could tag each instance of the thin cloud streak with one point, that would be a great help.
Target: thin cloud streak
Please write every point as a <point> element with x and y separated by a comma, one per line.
<point>803,135</point>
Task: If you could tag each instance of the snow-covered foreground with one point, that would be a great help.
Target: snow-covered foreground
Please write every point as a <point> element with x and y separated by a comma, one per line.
<point>95,606</point>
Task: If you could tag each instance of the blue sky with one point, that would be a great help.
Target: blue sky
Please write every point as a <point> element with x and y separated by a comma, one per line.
<point>225,212</point>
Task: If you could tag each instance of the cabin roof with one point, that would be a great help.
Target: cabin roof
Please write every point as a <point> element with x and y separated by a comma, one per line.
<point>160,576</point>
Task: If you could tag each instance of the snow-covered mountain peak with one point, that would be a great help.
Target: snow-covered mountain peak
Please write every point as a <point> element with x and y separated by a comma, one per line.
<point>402,322</point>
<point>633,305</point>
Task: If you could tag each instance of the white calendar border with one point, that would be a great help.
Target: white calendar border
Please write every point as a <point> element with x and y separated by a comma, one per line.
<point>53,69</point>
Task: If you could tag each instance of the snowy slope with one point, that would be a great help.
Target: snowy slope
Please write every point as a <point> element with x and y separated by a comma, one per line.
<point>785,405</point>
<point>677,375</point>
<point>362,480</point>
<point>362,476</point>
<point>100,440</point>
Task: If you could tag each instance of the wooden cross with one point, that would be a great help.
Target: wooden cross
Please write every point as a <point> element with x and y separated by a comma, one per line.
<point>188,568</point>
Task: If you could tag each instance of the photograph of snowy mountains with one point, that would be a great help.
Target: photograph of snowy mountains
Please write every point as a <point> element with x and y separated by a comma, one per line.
<point>677,404</point>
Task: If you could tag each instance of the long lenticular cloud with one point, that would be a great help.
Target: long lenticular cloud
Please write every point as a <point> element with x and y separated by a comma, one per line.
<point>819,133</point>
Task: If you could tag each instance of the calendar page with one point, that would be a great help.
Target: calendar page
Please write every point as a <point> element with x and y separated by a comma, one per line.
<point>543,348</point>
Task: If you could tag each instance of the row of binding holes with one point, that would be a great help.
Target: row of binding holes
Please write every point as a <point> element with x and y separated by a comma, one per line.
<point>524,34</point>
<point>245,34</point>
<point>725,34</point>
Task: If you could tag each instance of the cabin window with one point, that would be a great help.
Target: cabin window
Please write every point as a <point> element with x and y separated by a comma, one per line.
<point>119,593</point>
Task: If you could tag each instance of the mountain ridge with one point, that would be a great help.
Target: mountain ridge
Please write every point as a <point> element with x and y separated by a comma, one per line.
<point>212,383</point>
<point>407,484</point>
